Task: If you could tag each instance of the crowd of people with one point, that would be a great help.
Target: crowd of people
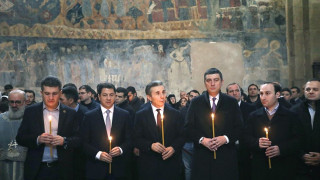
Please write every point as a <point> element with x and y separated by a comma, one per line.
<point>111,133</point>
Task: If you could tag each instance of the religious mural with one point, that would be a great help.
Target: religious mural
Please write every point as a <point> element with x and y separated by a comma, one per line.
<point>138,19</point>
<point>128,42</point>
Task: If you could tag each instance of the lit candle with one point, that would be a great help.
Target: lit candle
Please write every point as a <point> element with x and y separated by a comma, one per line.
<point>110,139</point>
<point>267,136</point>
<point>50,130</point>
<point>162,130</point>
<point>213,134</point>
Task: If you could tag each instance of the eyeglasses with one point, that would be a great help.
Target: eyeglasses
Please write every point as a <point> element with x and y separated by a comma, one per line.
<point>15,102</point>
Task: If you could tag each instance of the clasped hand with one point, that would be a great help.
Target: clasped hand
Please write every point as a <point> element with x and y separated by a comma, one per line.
<point>166,152</point>
<point>312,158</point>
<point>107,157</point>
<point>50,139</point>
<point>214,143</point>
<point>271,151</point>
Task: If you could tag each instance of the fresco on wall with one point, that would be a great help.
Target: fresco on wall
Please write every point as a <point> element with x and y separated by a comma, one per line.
<point>266,60</point>
<point>138,19</point>
<point>135,63</point>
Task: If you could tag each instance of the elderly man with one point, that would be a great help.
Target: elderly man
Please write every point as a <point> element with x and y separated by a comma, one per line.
<point>12,155</point>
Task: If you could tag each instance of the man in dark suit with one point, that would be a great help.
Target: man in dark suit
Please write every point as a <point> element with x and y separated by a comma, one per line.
<point>158,161</point>
<point>69,97</point>
<point>227,126</point>
<point>234,90</point>
<point>282,143</point>
<point>98,126</point>
<point>50,155</point>
<point>122,102</point>
<point>309,114</point>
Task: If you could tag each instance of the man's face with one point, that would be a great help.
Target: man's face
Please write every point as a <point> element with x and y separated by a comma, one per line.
<point>312,90</point>
<point>193,95</point>
<point>183,94</point>
<point>286,95</point>
<point>65,101</point>
<point>131,96</point>
<point>253,91</point>
<point>30,98</point>
<point>107,97</point>
<point>234,91</point>
<point>294,93</point>
<point>158,96</point>
<point>267,96</point>
<point>84,95</point>
<point>120,97</point>
<point>51,96</point>
<point>16,101</point>
<point>213,84</point>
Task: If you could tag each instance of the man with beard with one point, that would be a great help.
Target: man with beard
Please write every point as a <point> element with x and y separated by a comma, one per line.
<point>274,156</point>
<point>31,96</point>
<point>12,155</point>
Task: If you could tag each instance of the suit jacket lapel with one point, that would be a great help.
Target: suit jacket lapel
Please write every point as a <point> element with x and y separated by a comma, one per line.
<point>40,117</point>
<point>152,123</point>
<point>62,118</point>
<point>115,118</point>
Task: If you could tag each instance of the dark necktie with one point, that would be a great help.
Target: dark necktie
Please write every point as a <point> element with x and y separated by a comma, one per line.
<point>213,105</point>
<point>159,120</point>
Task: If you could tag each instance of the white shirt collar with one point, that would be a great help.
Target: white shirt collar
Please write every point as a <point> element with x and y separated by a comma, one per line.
<point>103,109</point>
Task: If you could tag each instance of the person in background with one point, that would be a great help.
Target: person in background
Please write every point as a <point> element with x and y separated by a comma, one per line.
<point>31,97</point>
<point>12,155</point>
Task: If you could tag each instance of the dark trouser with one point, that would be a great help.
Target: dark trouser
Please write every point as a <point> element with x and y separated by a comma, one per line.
<point>49,171</point>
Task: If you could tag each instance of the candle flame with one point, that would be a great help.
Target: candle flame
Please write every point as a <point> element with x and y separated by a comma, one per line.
<point>49,117</point>
<point>212,116</point>
<point>162,117</point>
<point>110,138</point>
<point>266,129</point>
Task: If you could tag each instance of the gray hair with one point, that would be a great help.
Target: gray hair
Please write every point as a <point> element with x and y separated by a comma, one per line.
<point>18,91</point>
<point>151,85</point>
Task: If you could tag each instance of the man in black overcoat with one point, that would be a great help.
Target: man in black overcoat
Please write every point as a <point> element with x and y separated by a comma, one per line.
<point>284,137</point>
<point>227,126</point>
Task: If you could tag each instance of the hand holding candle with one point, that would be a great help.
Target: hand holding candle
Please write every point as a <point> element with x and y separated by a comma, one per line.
<point>267,136</point>
<point>213,134</point>
<point>110,147</point>
<point>162,131</point>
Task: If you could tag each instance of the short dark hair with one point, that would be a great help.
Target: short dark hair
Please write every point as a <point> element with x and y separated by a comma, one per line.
<point>70,92</point>
<point>70,85</point>
<point>8,86</point>
<point>233,84</point>
<point>105,85</point>
<point>30,91</point>
<point>86,87</point>
<point>277,87</point>
<point>295,87</point>
<point>212,71</point>
<point>151,85</point>
<point>50,81</point>
<point>122,90</point>
<point>287,89</point>
<point>255,86</point>
<point>195,91</point>
<point>131,89</point>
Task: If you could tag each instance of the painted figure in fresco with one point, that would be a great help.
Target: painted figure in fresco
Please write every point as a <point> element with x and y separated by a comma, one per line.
<point>179,72</point>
